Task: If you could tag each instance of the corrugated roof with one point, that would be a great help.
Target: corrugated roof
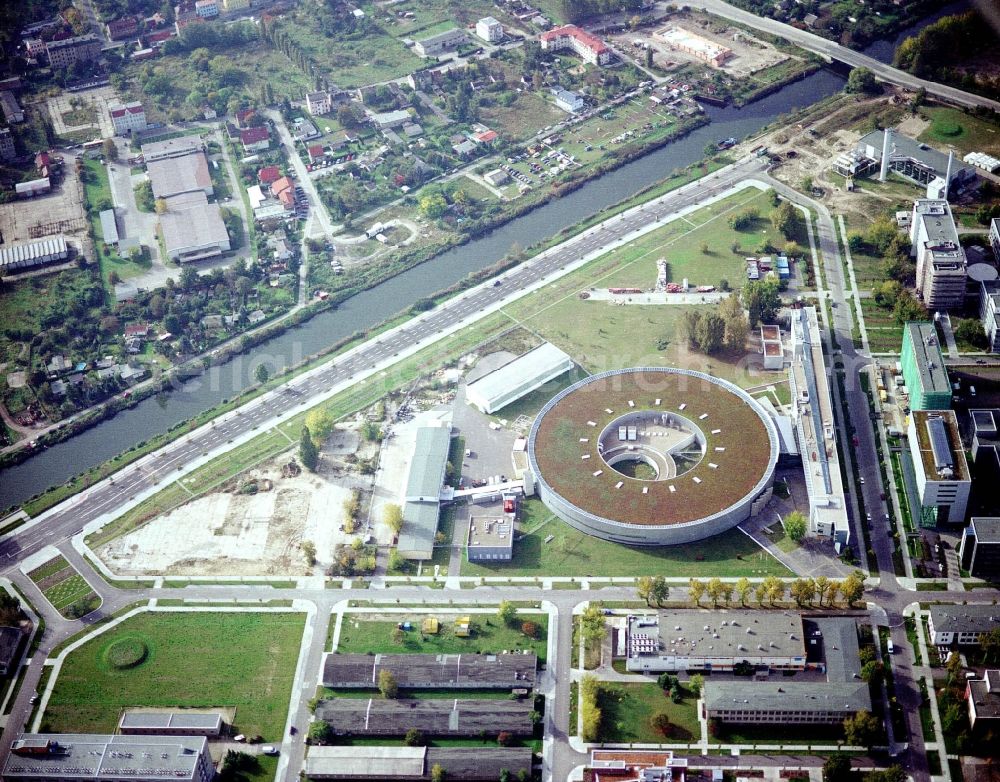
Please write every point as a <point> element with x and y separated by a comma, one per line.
<point>540,362</point>
<point>430,455</point>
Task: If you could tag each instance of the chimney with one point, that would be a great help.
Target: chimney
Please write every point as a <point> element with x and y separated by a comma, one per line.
<point>886,146</point>
<point>947,174</point>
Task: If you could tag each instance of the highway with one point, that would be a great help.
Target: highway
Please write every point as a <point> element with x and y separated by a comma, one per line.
<point>831,50</point>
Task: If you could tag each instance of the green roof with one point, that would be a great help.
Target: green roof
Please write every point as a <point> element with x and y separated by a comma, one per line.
<point>429,459</point>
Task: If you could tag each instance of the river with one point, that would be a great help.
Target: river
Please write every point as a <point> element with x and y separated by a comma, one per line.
<point>157,414</point>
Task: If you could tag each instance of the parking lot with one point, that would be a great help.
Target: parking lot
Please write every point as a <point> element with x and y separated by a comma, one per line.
<point>57,212</point>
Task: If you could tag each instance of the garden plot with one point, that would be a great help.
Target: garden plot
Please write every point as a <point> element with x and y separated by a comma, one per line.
<point>254,525</point>
<point>64,588</point>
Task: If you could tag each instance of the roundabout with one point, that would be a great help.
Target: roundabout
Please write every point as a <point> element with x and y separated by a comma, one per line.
<point>650,457</point>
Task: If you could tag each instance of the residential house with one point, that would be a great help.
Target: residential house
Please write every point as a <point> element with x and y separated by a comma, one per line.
<point>12,111</point>
<point>127,118</point>
<point>489,29</point>
<point>255,139</point>
<point>316,152</point>
<point>125,27</point>
<point>589,47</point>
<point>269,175</point>
<point>961,625</point>
<point>319,103</point>
<point>567,100</point>
<point>64,53</point>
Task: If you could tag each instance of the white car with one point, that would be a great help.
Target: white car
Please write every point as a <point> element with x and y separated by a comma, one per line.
<point>269,749</point>
<point>862,479</point>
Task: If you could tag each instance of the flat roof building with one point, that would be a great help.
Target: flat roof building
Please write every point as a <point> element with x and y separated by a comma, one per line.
<point>109,227</point>
<point>983,696</point>
<point>989,312</point>
<point>442,42</point>
<point>490,539</point>
<point>100,758</point>
<point>833,648</point>
<point>422,499</point>
<point>193,229</point>
<point>173,147</point>
<point>64,53</point>
<point>943,479</point>
<point>518,378</point>
<point>489,29</point>
<point>423,671</point>
<point>923,368</point>
<point>942,268</point>
<point>979,551</point>
<point>696,45</point>
<point>634,765</point>
<point>432,717</point>
<point>416,763</point>
<point>963,625</point>
<point>180,174</point>
<point>171,723</point>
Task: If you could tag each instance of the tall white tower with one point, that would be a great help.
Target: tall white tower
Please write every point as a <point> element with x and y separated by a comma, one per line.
<point>886,147</point>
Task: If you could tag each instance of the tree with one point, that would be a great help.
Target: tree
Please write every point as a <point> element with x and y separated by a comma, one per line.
<point>160,206</point>
<point>661,722</point>
<point>743,589</point>
<point>908,308</point>
<point>714,590</point>
<point>320,424</point>
<point>861,729</point>
<point>392,515</point>
<point>837,768</point>
<point>506,612</point>
<point>795,525</point>
<point>785,219</point>
<point>872,672</point>
<point>649,57</point>
<point>396,560</point>
<point>438,773</point>
<point>308,452</point>
<point>592,623</point>
<point>505,738</point>
<point>803,591</point>
<point>862,80</point>
<point>529,629</point>
<point>414,738</point>
<point>696,684</point>
<point>735,323</point>
<point>989,642</point>
<point>653,589</point>
<point>309,552</point>
<point>822,582</point>
<point>320,732</point>
<point>774,588</point>
<point>387,684</point>
<point>433,205</point>
<point>590,713</point>
<point>696,589</point>
<point>110,149</point>
<point>761,300</point>
<point>954,667</point>
<point>853,587</point>
<point>971,331</point>
<point>711,332</point>
<point>832,590</point>
<point>261,373</point>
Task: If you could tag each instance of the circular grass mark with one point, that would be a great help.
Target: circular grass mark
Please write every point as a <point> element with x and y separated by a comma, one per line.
<point>126,653</point>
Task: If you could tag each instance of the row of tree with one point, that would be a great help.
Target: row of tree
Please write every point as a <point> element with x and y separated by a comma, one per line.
<point>773,589</point>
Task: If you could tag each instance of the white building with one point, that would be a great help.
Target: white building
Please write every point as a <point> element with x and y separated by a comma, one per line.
<point>961,624</point>
<point>983,161</point>
<point>589,47</point>
<point>941,264</point>
<point>518,378</point>
<point>127,117</point>
<point>567,100</point>
<point>943,479</point>
<point>989,311</point>
<point>995,237</point>
<point>489,29</point>
<point>206,9</point>
<point>442,42</point>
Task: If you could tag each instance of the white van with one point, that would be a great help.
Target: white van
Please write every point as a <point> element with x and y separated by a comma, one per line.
<point>889,647</point>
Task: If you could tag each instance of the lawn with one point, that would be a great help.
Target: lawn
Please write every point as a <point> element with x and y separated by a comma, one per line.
<point>240,660</point>
<point>952,127</point>
<point>359,634</point>
<point>573,553</point>
<point>523,118</point>
<point>627,708</point>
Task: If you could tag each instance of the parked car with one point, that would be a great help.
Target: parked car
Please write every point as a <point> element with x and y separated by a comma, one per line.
<point>269,749</point>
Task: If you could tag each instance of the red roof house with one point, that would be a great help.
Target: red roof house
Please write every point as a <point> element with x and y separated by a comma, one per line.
<point>287,198</point>
<point>269,174</point>
<point>589,47</point>
<point>316,151</point>
<point>486,137</point>
<point>279,186</point>
<point>125,27</point>
<point>255,139</point>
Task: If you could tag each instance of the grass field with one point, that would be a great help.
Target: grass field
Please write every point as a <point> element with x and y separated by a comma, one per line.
<point>627,708</point>
<point>361,635</point>
<point>952,127</point>
<point>573,553</point>
<point>64,588</point>
<point>241,660</point>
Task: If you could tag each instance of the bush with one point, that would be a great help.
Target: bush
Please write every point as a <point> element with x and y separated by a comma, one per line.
<point>126,653</point>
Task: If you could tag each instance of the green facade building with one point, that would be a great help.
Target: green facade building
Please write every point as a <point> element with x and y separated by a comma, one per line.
<point>923,368</point>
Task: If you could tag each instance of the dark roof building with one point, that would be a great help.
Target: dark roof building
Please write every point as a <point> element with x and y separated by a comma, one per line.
<point>961,624</point>
<point>980,547</point>
<point>170,723</point>
<point>983,696</point>
<point>432,717</point>
<point>415,763</point>
<point>422,671</point>
<point>10,643</point>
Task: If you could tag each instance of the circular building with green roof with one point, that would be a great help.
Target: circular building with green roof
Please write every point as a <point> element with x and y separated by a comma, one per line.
<point>653,457</point>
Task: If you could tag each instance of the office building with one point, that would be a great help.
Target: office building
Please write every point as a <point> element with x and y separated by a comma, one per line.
<point>994,237</point>
<point>68,757</point>
<point>491,539</point>
<point>924,372</point>
<point>7,151</point>
<point>983,697</point>
<point>589,47</point>
<point>440,43</point>
<point>128,117</point>
<point>64,53</point>
<point>432,671</point>
<point>489,29</point>
<point>979,551</point>
<point>635,765</point>
<point>943,479</point>
<point>518,378</point>
<point>989,311</point>
<point>942,268</point>
<point>963,625</point>
<point>479,764</point>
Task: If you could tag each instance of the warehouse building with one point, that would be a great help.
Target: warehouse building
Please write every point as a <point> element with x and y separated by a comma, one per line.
<point>979,551</point>
<point>433,717</point>
<point>924,371</point>
<point>28,255</point>
<point>943,479</point>
<point>422,499</point>
<point>193,229</point>
<point>423,671</point>
<point>416,763</point>
<point>518,378</point>
<point>100,758</point>
<point>180,174</point>
<point>109,227</point>
<point>440,43</point>
<point>170,723</point>
<point>942,268</point>
<point>33,187</point>
<point>174,147</point>
<point>833,649</point>
<point>963,625</point>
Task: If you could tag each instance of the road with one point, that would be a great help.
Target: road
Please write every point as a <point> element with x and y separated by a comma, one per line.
<point>316,207</point>
<point>834,51</point>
